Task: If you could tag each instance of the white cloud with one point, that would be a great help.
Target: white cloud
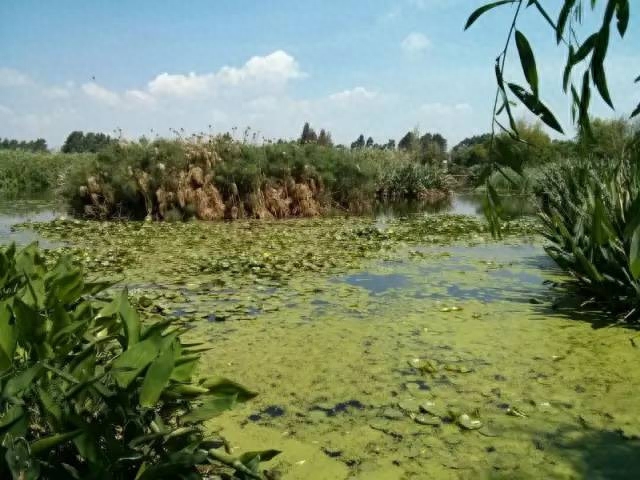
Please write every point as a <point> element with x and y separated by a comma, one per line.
<point>139,97</point>
<point>415,43</point>
<point>10,77</point>
<point>56,92</point>
<point>357,94</point>
<point>101,94</point>
<point>445,109</point>
<point>277,67</point>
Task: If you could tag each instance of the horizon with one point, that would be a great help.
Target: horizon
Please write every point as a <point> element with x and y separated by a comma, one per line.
<point>380,71</point>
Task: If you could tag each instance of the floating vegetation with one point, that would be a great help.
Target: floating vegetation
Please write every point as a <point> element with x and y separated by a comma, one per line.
<point>385,383</point>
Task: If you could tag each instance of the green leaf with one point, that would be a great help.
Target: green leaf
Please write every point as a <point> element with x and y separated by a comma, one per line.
<point>485,8</point>
<point>263,456</point>
<point>122,307</point>
<point>528,61</point>
<point>634,254</point>
<point>8,337</point>
<point>597,65</point>
<point>622,15</point>
<point>224,387</point>
<point>157,378</point>
<point>601,226</point>
<point>22,381</point>
<point>45,444</point>
<point>563,17</point>
<point>636,111</point>
<point>20,462</point>
<point>134,360</point>
<point>536,107</point>
<point>212,407</point>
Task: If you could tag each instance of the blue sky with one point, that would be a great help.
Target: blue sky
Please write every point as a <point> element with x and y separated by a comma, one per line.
<point>379,67</point>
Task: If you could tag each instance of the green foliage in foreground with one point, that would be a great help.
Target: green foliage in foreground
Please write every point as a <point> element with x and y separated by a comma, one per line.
<point>88,392</point>
<point>26,173</point>
<point>590,212</point>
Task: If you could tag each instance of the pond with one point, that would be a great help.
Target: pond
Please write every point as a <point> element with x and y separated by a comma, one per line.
<point>411,346</point>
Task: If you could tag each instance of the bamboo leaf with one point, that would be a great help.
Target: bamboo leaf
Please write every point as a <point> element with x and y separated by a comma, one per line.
<point>528,61</point>
<point>563,17</point>
<point>597,65</point>
<point>622,15</point>
<point>485,8</point>
<point>536,107</point>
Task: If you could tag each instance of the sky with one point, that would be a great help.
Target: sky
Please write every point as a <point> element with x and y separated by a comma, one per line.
<point>380,67</point>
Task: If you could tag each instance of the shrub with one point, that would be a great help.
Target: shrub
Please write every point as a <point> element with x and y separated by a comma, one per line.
<point>88,391</point>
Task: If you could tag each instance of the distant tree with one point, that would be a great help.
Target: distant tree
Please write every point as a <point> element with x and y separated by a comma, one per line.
<point>390,145</point>
<point>39,145</point>
<point>369,143</point>
<point>79,142</point>
<point>324,138</point>
<point>308,134</point>
<point>433,148</point>
<point>359,143</point>
<point>408,142</point>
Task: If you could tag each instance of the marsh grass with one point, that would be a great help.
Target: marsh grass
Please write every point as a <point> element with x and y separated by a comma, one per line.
<point>217,177</point>
<point>31,174</point>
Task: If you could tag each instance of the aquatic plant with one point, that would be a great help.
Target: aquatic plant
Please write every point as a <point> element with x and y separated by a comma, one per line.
<point>590,212</point>
<point>217,177</point>
<point>90,391</point>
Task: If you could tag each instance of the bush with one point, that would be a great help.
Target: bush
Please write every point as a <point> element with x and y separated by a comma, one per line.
<point>89,392</point>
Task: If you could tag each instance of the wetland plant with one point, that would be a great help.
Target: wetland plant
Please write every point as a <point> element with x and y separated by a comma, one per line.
<point>89,391</point>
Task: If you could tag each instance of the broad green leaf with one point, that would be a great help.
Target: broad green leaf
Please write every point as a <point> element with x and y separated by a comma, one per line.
<point>211,407</point>
<point>485,8</point>
<point>536,107</point>
<point>8,337</point>
<point>50,406</point>
<point>263,456</point>
<point>45,444</point>
<point>601,226</point>
<point>11,416</point>
<point>122,307</point>
<point>22,381</point>
<point>224,387</point>
<point>634,254</point>
<point>528,61</point>
<point>134,360</point>
<point>157,378</point>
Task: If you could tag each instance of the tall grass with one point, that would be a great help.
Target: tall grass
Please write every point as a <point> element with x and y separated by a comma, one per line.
<point>25,173</point>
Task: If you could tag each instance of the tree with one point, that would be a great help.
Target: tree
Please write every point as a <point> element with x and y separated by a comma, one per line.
<point>79,142</point>
<point>39,145</point>
<point>408,142</point>
<point>324,138</point>
<point>369,143</point>
<point>433,148</point>
<point>359,143</point>
<point>390,145</point>
<point>308,134</point>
